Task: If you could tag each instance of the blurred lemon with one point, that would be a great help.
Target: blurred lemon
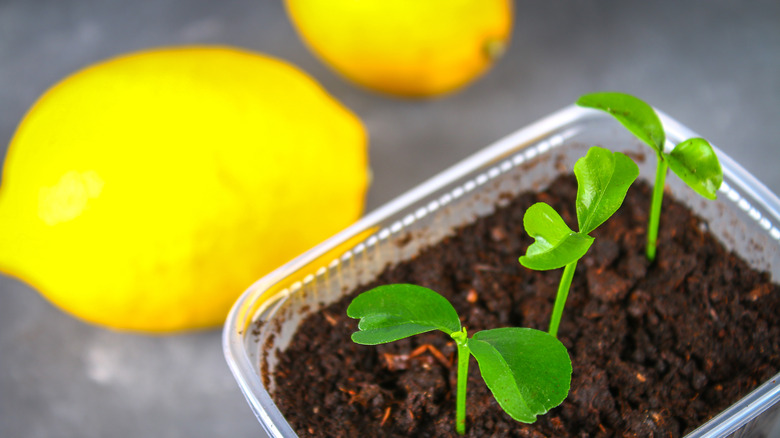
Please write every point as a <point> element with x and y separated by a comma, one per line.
<point>147,192</point>
<point>405,47</point>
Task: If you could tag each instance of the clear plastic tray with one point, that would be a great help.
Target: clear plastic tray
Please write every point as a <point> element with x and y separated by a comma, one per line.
<point>746,218</point>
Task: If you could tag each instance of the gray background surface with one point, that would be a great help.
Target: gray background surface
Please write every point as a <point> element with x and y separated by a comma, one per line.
<point>713,65</point>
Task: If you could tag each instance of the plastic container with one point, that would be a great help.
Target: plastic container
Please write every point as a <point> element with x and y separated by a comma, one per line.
<point>746,218</point>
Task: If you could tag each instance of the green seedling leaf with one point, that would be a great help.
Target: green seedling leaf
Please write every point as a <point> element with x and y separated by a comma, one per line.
<point>637,116</point>
<point>555,245</point>
<point>528,371</point>
<point>695,162</point>
<point>392,312</point>
<point>603,178</point>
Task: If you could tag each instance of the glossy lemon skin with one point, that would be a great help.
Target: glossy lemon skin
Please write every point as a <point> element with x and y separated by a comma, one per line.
<point>148,191</point>
<point>408,48</point>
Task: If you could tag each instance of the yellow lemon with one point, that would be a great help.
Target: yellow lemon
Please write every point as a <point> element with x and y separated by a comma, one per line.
<point>405,47</point>
<point>148,191</point>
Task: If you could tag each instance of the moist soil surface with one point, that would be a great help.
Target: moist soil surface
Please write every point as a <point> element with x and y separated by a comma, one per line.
<point>657,349</point>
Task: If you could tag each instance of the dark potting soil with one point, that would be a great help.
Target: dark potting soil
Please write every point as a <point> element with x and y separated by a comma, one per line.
<point>657,349</point>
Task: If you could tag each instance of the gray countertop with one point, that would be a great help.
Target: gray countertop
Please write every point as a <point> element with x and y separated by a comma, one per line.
<point>714,66</point>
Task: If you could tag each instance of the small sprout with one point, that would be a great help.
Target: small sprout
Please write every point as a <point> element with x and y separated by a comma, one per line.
<point>693,160</point>
<point>528,371</point>
<point>603,178</point>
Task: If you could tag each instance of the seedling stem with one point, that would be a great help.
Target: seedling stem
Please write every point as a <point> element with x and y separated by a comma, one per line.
<point>560,298</point>
<point>464,355</point>
<point>655,207</point>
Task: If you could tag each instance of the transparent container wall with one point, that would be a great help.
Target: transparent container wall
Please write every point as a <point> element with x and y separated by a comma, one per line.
<point>745,218</point>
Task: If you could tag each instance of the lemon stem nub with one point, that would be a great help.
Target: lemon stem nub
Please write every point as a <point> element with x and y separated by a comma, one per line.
<point>495,48</point>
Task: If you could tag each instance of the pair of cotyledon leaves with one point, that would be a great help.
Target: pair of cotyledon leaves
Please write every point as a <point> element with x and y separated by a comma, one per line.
<point>693,160</point>
<point>528,371</point>
<point>603,178</point>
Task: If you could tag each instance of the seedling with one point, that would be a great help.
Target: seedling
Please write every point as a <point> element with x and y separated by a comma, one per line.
<point>528,371</point>
<point>603,178</point>
<point>693,160</point>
